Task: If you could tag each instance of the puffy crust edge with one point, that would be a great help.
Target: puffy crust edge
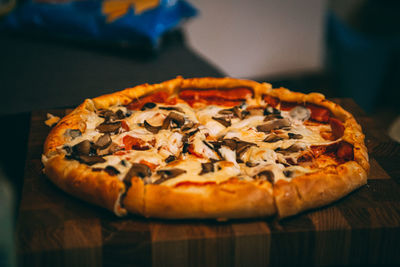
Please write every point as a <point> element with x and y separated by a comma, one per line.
<point>79,180</point>
<point>318,189</point>
<point>230,199</point>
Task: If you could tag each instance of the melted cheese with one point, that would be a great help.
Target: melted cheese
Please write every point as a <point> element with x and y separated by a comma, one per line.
<point>262,155</point>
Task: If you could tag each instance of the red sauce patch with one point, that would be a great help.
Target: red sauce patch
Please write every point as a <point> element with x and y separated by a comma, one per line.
<point>125,126</point>
<point>148,164</point>
<point>226,97</point>
<point>337,127</point>
<point>134,143</point>
<point>272,101</point>
<point>318,113</point>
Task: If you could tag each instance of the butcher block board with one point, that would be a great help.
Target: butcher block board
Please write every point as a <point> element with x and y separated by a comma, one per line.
<point>56,229</point>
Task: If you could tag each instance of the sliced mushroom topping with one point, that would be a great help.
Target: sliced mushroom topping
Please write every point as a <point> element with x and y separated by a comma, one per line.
<point>266,175</point>
<point>295,136</point>
<point>231,143</point>
<point>120,114</point>
<point>187,126</point>
<point>106,114</point>
<point>173,108</point>
<point>170,158</point>
<point>151,128</point>
<point>168,174</point>
<point>148,105</point>
<point>90,160</point>
<point>270,110</point>
<point>273,125</point>
<point>241,148</point>
<point>272,138</point>
<point>237,112</point>
<point>228,111</point>
<point>185,142</point>
<point>123,162</point>
<point>273,117</point>
<point>300,113</point>
<point>137,170</point>
<point>256,111</point>
<point>225,122</point>
<point>174,117</point>
<point>288,173</point>
<point>206,168</point>
<point>109,127</point>
<point>82,148</point>
<point>252,164</point>
<point>103,142</point>
<point>73,133</point>
<point>291,149</point>
<point>111,170</point>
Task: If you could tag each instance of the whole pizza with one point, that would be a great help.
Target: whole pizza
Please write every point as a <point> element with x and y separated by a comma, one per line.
<point>207,148</point>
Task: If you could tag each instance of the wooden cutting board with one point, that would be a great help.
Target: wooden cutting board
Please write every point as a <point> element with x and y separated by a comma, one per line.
<point>362,228</point>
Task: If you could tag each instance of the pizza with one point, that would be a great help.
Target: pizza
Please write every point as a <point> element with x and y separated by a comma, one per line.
<point>207,148</point>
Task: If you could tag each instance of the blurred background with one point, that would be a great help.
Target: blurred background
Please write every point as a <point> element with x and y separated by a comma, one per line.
<point>55,53</point>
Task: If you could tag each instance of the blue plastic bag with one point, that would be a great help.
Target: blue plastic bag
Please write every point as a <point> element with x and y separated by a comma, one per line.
<point>135,22</point>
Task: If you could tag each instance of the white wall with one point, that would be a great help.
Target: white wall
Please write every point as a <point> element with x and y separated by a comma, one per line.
<point>256,38</point>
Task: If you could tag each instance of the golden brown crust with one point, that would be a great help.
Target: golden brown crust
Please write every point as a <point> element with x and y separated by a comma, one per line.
<point>233,199</point>
<point>79,180</point>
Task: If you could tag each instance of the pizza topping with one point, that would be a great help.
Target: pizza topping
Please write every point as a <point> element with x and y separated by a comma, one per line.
<point>168,174</point>
<point>135,143</point>
<point>111,170</point>
<point>206,168</point>
<point>137,170</point>
<point>224,121</point>
<point>271,110</point>
<point>73,133</point>
<point>187,126</point>
<point>300,113</point>
<point>90,160</point>
<point>148,105</point>
<point>109,127</point>
<point>266,175</point>
<point>272,138</point>
<point>151,128</point>
<point>175,118</point>
<point>295,136</point>
<point>345,151</point>
<point>103,142</point>
<point>173,108</point>
<point>318,113</point>
<point>82,148</point>
<point>274,125</point>
<point>337,128</point>
<point>296,147</point>
<point>170,158</point>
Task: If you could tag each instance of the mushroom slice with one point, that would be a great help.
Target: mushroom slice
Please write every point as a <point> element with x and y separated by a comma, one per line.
<point>225,122</point>
<point>137,170</point>
<point>111,170</point>
<point>109,127</point>
<point>231,143</point>
<point>106,114</point>
<point>151,128</point>
<point>266,175</point>
<point>187,126</point>
<point>178,119</point>
<point>251,164</point>
<point>73,133</point>
<point>270,110</point>
<point>295,136</point>
<point>170,158</point>
<point>272,138</point>
<point>173,108</point>
<point>168,174</point>
<point>273,125</point>
<point>206,168</point>
<point>148,105</point>
<point>90,160</point>
<point>291,149</point>
<point>242,147</point>
<point>82,148</point>
<point>103,142</point>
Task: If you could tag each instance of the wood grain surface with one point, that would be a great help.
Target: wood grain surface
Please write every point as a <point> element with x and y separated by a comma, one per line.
<point>55,229</point>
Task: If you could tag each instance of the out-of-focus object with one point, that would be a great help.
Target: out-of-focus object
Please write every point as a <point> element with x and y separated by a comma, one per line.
<point>394,130</point>
<point>363,44</point>
<point>6,6</point>
<point>7,248</point>
<point>132,22</point>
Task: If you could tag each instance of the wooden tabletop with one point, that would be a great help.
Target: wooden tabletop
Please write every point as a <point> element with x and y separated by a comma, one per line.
<point>362,228</point>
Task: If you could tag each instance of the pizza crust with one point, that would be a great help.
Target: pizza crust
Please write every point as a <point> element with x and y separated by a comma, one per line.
<point>232,199</point>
